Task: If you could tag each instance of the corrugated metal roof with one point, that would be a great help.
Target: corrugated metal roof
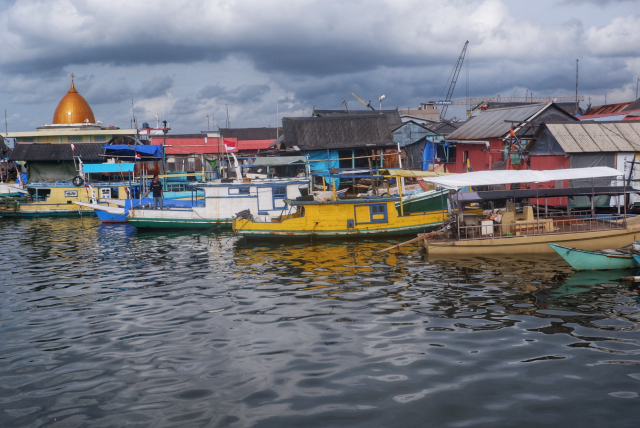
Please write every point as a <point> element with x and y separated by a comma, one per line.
<point>491,123</point>
<point>608,108</point>
<point>589,137</point>
<point>43,152</point>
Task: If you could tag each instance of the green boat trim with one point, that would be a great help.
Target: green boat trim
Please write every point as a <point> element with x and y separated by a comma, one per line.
<point>425,202</point>
<point>153,223</point>
<point>393,231</point>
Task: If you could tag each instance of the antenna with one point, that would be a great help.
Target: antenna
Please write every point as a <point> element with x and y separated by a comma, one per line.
<point>6,132</point>
<point>277,118</point>
<point>228,123</point>
<point>157,121</point>
<point>637,82</point>
<point>208,129</point>
<point>382,97</point>
<point>133,112</point>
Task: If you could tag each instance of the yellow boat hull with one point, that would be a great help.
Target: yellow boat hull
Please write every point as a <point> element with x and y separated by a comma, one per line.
<point>343,218</point>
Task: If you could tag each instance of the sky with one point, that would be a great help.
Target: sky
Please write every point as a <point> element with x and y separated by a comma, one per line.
<point>192,61</point>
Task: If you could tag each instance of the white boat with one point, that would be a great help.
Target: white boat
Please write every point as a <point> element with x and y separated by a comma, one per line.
<point>214,204</point>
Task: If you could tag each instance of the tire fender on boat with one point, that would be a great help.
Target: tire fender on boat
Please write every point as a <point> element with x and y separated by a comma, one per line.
<point>77,181</point>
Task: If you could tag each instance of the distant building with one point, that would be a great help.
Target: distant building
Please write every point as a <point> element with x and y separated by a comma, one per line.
<point>426,113</point>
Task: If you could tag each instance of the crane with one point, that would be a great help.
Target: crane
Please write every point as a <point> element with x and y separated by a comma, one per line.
<point>360,99</point>
<point>454,79</point>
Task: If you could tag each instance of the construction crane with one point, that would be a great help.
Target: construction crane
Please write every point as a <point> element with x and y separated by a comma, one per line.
<point>360,99</point>
<point>454,79</point>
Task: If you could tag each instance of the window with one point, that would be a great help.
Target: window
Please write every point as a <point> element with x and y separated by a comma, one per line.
<point>279,192</point>
<point>379,213</point>
<point>75,139</point>
<point>100,138</point>
<point>243,190</point>
<point>26,140</point>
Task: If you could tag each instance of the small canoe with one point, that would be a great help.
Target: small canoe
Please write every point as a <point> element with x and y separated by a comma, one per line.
<point>594,260</point>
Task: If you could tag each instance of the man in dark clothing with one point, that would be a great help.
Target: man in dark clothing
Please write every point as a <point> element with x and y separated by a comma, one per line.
<point>156,187</point>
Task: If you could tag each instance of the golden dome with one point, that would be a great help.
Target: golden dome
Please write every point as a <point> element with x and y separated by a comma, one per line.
<point>73,108</point>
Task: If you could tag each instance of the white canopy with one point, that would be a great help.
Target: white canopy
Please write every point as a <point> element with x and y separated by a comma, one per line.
<point>488,178</point>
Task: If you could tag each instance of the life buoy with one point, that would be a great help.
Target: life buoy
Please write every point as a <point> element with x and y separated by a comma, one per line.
<point>77,181</point>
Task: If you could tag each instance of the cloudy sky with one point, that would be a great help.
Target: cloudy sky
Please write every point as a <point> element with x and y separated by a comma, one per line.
<point>184,60</point>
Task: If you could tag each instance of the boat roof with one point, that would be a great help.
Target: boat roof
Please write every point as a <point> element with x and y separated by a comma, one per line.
<point>488,178</point>
<point>254,182</point>
<point>542,193</point>
<point>361,200</point>
<point>91,168</point>
<point>409,173</point>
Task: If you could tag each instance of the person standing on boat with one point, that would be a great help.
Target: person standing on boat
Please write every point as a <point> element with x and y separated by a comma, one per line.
<point>158,194</point>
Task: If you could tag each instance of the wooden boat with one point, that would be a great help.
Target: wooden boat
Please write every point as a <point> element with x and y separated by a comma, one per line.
<point>339,218</point>
<point>526,233</point>
<point>594,260</point>
<point>219,202</point>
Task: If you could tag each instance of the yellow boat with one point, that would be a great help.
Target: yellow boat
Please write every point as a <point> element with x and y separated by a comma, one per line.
<point>340,218</point>
<point>57,199</point>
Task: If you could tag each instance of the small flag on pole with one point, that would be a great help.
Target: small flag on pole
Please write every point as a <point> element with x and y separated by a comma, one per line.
<point>230,146</point>
<point>73,147</point>
<point>138,156</point>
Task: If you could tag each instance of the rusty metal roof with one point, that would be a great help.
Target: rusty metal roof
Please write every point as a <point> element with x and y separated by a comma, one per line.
<point>589,137</point>
<point>608,108</point>
<point>491,123</point>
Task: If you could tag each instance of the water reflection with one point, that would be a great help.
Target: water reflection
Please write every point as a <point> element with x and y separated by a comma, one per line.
<point>106,326</point>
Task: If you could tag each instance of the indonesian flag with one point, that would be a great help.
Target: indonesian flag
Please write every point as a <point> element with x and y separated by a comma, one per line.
<point>230,146</point>
<point>73,147</point>
<point>138,156</point>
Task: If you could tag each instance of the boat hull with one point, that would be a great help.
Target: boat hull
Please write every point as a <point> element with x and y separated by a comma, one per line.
<point>178,223</point>
<point>593,260</point>
<point>596,240</point>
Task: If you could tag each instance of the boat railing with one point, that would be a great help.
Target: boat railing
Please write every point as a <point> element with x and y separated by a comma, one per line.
<point>473,229</point>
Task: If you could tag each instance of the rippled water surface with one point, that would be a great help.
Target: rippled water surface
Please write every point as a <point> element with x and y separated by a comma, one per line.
<point>102,326</point>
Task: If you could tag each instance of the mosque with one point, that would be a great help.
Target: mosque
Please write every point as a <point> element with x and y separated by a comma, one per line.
<point>73,122</point>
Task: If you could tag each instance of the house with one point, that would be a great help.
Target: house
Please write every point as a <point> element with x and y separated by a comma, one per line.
<point>586,144</point>
<point>348,142</point>
<point>54,161</point>
<point>187,152</point>
<point>414,139</point>
<point>483,142</point>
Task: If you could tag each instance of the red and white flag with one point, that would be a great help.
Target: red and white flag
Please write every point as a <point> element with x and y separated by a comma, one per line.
<point>73,147</point>
<point>138,156</point>
<point>230,146</point>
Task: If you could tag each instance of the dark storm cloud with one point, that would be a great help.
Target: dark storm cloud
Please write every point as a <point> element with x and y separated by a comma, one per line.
<point>106,92</point>
<point>240,95</point>
<point>155,87</point>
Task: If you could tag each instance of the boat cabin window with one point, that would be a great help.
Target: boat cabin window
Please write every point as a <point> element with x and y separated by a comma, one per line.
<point>40,195</point>
<point>279,192</point>
<point>114,193</point>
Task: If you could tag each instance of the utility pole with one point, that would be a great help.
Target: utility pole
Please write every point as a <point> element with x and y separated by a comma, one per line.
<point>576,86</point>
<point>277,118</point>
<point>227,106</point>
<point>637,82</point>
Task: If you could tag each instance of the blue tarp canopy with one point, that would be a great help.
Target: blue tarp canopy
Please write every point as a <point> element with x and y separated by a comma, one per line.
<point>96,168</point>
<point>129,152</point>
<point>321,161</point>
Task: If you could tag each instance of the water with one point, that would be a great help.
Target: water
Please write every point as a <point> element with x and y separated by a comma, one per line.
<point>102,326</point>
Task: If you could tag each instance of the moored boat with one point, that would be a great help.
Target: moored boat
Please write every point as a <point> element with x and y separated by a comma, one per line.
<point>595,260</point>
<point>339,218</point>
<point>526,232</point>
<point>219,201</point>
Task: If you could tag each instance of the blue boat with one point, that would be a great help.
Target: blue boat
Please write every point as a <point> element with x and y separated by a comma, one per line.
<point>596,260</point>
